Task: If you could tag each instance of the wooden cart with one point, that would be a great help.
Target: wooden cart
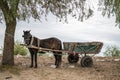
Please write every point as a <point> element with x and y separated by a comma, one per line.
<point>77,50</point>
<point>85,51</point>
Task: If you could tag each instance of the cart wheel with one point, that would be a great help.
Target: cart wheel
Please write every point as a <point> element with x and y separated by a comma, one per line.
<point>86,61</point>
<point>73,58</point>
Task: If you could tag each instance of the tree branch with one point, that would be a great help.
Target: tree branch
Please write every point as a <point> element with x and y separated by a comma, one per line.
<point>14,7</point>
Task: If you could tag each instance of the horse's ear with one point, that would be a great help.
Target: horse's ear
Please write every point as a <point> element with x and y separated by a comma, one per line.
<point>29,30</point>
<point>23,31</point>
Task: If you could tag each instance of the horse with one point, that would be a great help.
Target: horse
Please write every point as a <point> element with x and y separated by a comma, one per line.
<point>49,43</point>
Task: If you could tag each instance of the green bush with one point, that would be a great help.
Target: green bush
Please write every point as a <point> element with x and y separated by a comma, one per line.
<point>112,51</point>
<point>18,49</point>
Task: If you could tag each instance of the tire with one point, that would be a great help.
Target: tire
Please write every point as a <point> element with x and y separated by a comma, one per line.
<point>86,61</point>
<point>73,58</point>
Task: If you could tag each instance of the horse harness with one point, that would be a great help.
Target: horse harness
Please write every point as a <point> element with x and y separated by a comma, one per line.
<point>38,44</point>
<point>31,42</point>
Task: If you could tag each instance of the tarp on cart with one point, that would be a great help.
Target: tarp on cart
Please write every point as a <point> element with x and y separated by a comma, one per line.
<point>83,47</point>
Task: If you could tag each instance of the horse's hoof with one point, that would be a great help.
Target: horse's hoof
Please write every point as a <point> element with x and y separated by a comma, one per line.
<point>35,67</point>
<point>30,66</point>
<point>57,66</point>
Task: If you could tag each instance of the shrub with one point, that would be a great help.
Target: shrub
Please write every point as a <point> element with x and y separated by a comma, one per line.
<point>18,49</point>
<point>112,51</point>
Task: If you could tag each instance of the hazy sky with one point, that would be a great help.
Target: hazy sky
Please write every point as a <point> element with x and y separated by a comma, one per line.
<point>96,28</point>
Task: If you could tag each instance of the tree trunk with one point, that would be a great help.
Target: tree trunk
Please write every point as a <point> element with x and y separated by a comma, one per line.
<point>10,13</point>
<point>8,52</point>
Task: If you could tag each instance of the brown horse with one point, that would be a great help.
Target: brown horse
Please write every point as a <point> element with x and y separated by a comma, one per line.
<point>50,43</point>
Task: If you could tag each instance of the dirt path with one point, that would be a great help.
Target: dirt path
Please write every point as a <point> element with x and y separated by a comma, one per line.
<point>101,70</point>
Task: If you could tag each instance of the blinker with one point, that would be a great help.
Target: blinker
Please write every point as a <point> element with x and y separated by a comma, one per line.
<point>23,36</point>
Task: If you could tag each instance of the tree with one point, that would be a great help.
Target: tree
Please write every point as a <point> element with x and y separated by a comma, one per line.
<point>112,51</point>
<point>15,10</point>
<point>110,8</point>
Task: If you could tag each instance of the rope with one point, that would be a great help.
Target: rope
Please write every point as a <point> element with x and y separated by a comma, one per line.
<point>32,40</point>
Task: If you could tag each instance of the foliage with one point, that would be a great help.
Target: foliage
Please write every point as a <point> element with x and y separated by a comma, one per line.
<point>25,9</point>
<point>112,51</point>
<point>18,49</point>
<point>111,8</point>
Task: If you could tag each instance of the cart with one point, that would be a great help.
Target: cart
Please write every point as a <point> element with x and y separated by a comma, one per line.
<point>85,51</point>
<point>77,50</point>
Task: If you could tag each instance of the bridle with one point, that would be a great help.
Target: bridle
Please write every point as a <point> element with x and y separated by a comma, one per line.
<point>31,41</point>
<point>27,40</point>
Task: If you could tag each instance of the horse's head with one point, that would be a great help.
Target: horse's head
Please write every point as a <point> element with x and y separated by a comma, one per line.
<point>27,37</point>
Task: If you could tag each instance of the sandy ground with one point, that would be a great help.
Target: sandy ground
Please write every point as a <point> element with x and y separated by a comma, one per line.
<point>103,69</point>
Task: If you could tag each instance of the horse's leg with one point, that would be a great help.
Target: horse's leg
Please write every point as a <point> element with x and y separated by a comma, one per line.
<point>35,59</point>
<point>31,60</point>
<point>32,56</point>
<point>55,59</point>
<point>60,59</point>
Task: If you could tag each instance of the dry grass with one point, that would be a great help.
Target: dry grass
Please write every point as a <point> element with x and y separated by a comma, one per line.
<point>107,70</point>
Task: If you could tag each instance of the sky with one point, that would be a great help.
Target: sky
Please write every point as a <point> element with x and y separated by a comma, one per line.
<point>96,28</point>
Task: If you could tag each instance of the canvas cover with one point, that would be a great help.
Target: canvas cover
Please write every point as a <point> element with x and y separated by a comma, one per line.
<point>83,47</point>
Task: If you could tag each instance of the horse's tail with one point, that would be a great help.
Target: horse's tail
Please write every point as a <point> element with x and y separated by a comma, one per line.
<point>60,48</point>
<point>60,45</point>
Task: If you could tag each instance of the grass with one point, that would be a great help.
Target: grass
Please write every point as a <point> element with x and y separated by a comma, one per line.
<point>18,49</point>
<point>12,69</point>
